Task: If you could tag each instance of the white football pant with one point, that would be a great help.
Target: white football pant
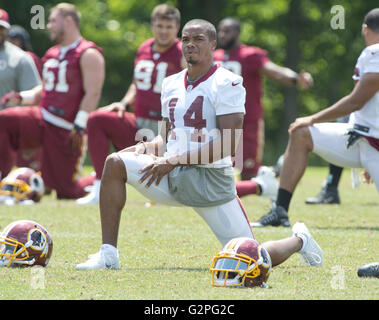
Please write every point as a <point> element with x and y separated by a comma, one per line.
<point>227,221</point>
<point>329,142</point>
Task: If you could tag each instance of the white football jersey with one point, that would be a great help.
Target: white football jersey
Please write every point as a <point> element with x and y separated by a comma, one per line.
<point>366,120</point>
<point>192,108</point>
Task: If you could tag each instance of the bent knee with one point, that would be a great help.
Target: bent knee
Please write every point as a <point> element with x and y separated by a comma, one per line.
<point>114,167</point>
<point>302,136</point>
<point>98,117</point>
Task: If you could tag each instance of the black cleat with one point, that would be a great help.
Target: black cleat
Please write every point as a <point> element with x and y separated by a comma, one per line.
<point>277,216</point>
<point>327,195</point>
<point>369,270</point>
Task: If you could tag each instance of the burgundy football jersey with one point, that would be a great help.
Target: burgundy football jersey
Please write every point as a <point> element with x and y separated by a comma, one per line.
<point>150,68</point>
<point>62,79</point>
<point>246,62</point>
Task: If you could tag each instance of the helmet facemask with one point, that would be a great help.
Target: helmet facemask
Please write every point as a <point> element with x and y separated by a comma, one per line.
<point>17,189</point>
<point>243,262</point>
<point>20,191</point>
<point>231,270</point>
<point>14,252</point>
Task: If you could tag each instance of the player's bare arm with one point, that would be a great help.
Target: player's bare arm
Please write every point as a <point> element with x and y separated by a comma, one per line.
<point>92,65</point>
<point>286,76</point>
<point>363,91</point>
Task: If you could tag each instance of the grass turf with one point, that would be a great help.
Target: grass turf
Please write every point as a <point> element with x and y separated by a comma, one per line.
<point>166,252</point>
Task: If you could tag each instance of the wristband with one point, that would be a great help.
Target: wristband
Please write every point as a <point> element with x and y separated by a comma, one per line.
<point>27,96</point>
<point>126,105</point>
<point>81,119</point>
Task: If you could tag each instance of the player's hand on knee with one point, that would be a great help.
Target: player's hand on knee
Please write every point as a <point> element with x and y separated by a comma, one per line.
<point>156,171</point>
<point>11,99</point>
<point>301,122</point>
<point>115,107</point>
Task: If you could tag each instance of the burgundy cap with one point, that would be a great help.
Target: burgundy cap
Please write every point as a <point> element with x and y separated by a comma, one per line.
<point>4,19</point>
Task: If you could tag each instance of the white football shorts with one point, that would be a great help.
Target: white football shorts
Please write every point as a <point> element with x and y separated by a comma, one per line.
<point>227,221</point>
<point>329,142</point>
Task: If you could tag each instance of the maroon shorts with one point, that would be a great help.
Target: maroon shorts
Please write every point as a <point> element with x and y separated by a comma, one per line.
<point>105,128</point>
<point>23,128</point>
<point>253,143</point>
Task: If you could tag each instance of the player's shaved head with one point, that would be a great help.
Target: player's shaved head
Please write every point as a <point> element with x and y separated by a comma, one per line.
<point>234,23</point>
<point>372,20</point>
<point>209,27</point>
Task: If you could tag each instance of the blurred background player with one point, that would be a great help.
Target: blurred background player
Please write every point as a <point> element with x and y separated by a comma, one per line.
<point>329,192</point>
<point>354,144</point>
<point>20,37</point>
<point>252,63</point>
<point>73,76</point>
<point>17,73</point>
<point>156,58</point>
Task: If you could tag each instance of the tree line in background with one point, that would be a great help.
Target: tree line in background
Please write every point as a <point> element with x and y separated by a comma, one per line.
<point>296,33</point>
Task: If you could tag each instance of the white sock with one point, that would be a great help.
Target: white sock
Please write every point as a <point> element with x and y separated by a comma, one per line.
<point>109,248</point>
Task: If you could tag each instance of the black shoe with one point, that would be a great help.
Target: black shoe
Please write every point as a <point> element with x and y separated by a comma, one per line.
<point>327,195</point>
<point>277,216</point>
<point>369,270</point>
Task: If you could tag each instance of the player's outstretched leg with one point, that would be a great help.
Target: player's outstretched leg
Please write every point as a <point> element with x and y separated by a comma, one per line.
<point>281,250</point>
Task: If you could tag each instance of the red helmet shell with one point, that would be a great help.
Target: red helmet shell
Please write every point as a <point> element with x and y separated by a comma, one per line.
<point>36,240</point>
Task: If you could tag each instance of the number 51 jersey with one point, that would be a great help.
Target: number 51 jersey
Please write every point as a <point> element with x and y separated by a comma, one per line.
<point>192,108</point>
<point>62,79</point>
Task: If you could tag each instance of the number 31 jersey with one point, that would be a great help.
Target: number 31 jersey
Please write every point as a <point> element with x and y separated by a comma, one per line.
<point>150,68</point>
<point>192,108</point>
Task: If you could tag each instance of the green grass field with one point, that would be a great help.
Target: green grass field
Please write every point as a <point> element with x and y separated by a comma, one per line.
<point>166,252</point>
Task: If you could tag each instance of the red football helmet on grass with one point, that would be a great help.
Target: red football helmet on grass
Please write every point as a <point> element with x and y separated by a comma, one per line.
<point>25,243</point>
<point>242,262</point>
